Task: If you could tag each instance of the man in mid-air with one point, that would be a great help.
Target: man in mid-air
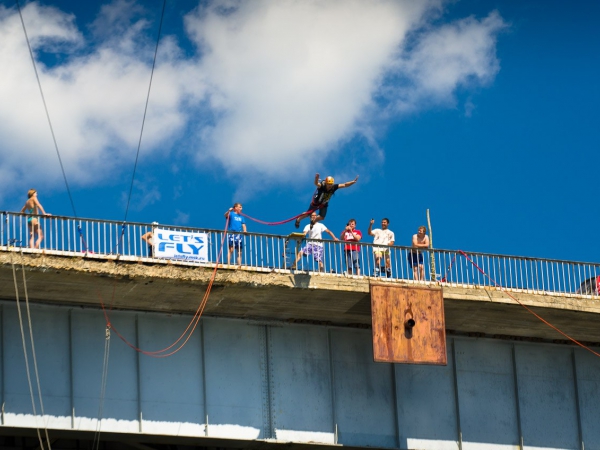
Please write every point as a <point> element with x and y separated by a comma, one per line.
<point>320,200</point>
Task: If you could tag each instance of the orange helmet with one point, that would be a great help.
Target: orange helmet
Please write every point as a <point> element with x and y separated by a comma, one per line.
<point>329,180</point>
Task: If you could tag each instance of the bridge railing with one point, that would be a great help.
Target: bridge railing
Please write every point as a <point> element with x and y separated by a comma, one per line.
<point>264,252</point>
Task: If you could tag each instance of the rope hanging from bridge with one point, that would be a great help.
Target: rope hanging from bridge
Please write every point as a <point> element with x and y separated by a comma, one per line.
<point>33,353</point>
<point>189,331</point>
<point>525,306</point>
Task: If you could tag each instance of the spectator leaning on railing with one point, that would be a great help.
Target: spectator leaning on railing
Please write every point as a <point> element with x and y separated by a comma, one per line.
<point>148,237</point>
<point>353,236</point>
<point>420,242</point>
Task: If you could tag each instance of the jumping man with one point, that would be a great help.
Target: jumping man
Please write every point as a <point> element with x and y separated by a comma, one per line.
<point>320,201</point>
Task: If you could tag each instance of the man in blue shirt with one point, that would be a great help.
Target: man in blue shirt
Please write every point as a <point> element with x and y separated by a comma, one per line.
<point>237,224</point>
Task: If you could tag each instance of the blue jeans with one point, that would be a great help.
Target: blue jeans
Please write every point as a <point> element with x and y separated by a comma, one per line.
<point>352,264</point>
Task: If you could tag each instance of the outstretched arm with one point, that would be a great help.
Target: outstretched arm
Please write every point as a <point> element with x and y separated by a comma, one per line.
<point>347,183</point>
<point>370,230</point>
<point>331,234</point>
<point>317,180</point>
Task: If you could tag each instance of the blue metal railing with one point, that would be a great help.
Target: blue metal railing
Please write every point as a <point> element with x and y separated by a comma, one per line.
<point>108,239</point>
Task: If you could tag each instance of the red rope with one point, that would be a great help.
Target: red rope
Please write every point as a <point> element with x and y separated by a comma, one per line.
<point>187,333</point>
<point>309,212</point>
<point>445,277</point>
<point>526,307</point>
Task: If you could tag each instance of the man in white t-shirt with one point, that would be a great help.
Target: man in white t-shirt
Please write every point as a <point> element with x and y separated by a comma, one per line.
<point>314,231</point>
<point>383,239</point>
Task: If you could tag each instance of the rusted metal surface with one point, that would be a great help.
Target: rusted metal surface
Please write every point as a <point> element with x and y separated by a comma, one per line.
<point>408,325</point>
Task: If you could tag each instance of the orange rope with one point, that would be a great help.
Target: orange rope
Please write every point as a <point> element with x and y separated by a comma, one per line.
<point>526,307</point>
<point>193,322</point>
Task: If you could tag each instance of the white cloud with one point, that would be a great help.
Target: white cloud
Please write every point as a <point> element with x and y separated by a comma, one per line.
<point>274,88</point>
<point>291,79</point>
<point>95,100</point>
<point>144,194</point>
<point>456,54</point>
<point>181,217</point>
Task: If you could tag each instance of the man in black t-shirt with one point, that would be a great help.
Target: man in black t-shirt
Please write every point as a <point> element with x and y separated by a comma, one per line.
<point>321,197</point>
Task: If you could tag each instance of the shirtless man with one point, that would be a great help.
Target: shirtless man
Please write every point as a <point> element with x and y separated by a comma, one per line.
<point>148,238</point>
<point>420,242</point>
<point>320,200</point>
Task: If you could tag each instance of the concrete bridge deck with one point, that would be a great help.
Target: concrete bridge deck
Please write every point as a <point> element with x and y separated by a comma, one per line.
<point>283,296</point>
<point>248,379</point>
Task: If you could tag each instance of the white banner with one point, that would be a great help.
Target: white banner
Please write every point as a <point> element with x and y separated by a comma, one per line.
<point>181,245</point>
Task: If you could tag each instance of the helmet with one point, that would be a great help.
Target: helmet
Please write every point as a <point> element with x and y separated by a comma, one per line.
<point>329,180</point>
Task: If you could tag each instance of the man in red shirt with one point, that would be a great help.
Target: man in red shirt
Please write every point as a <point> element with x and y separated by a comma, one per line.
<point>352,236</point>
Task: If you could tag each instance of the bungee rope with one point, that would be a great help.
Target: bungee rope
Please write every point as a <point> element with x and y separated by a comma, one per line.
<point>309,212</point>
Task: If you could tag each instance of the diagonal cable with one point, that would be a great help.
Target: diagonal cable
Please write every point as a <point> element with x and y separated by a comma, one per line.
<point>46,109</point>
<point>145,110</point>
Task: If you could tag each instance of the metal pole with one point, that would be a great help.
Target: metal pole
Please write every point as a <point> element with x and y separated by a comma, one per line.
<point>431,255</point>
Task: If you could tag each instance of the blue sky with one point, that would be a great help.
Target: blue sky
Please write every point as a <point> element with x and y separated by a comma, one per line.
<point>485,112</point>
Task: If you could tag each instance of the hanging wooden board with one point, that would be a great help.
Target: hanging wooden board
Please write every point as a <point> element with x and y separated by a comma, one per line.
<point>408,324</point>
